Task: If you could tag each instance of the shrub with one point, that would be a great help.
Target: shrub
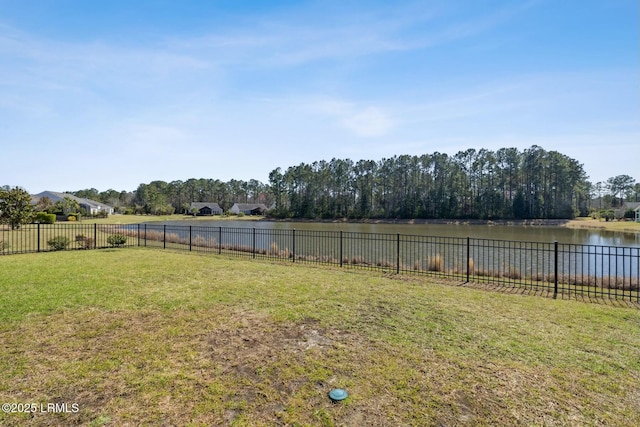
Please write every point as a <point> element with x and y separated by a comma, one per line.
<point>607,214</point>
<point>71,218</point>
<point>4,245</point>
<point>45,218</point>
<point>84,242</point>
<point>117,240</point>
<point>58,243</point>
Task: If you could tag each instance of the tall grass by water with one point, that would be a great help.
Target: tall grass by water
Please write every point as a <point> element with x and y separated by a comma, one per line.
<point>431,264</point>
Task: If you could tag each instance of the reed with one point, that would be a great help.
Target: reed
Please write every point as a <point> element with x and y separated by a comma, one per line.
<point>202,242</point>
<point>274,249</point>
<point>512,273</point>
<point>355,260</point>
<point>435,263</point>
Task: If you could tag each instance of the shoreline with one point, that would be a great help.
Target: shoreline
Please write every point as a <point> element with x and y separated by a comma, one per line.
<point>421,221</point>
<point>580,223</point>
<point>577,223</point>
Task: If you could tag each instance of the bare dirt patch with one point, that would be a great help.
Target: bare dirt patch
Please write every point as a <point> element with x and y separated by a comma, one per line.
<point>209,367</point>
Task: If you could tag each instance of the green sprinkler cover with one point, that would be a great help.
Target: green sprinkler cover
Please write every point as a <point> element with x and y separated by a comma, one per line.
<point>338,394</point>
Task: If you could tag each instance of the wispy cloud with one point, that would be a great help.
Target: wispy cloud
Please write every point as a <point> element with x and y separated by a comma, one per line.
<point>369,122</point>
<point>277,41</point>
<point>360,120</point>
<point>271,41</point>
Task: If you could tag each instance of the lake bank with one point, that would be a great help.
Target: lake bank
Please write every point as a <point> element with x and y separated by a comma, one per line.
<point>621,226</point>
<point>579,223</point>
<point>588,223</point>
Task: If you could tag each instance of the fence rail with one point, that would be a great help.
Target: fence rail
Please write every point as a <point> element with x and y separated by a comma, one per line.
<point>548,268</point>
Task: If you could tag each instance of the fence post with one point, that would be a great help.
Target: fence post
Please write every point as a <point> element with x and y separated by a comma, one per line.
<point>555,270</point>
<point>219,240</point>
<point>138,234</point>
<point>254,242</point>
<point>293,258</point>
<point>398,253</point>
<point>189,238</point>
<point>38,237</point>
<point>95,235</point>
<point>145,235</point>
<point>164,236</point>
<point>468,259</point>
<point>340,248</point>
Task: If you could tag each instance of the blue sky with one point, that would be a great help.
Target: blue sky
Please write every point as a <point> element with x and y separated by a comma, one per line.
<point>111,94</point>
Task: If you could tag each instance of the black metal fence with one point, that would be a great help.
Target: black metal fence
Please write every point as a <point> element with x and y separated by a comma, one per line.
<point>547,268</point>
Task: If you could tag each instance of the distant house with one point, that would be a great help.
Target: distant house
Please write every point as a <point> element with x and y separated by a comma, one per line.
<point>627,206</point>
<point>248,208</point>
<point>90,206</point>
<point>634,206</point>
<point>205,208</point>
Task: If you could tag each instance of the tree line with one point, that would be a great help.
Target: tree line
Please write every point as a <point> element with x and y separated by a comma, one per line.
<point>472,184</point>
<point>483,184</point>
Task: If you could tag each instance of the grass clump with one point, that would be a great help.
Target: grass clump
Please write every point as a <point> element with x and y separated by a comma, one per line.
<point>146,337</point>
<point>435,263</point>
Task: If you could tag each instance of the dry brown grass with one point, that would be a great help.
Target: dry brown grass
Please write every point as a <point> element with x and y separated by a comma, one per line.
<point>275,251</point>
<point>436,263</point>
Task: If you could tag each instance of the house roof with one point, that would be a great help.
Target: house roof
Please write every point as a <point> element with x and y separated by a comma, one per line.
<point>630,205</point>
<point>54,196</point>
<point>250,206</point>
<point>211,205</point>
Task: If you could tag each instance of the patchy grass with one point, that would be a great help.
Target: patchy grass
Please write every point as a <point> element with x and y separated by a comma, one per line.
<point>142,337</point>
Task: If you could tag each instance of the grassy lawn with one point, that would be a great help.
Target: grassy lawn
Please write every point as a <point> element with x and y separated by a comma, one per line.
<point>624,226</point>
<point>145,337</point>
